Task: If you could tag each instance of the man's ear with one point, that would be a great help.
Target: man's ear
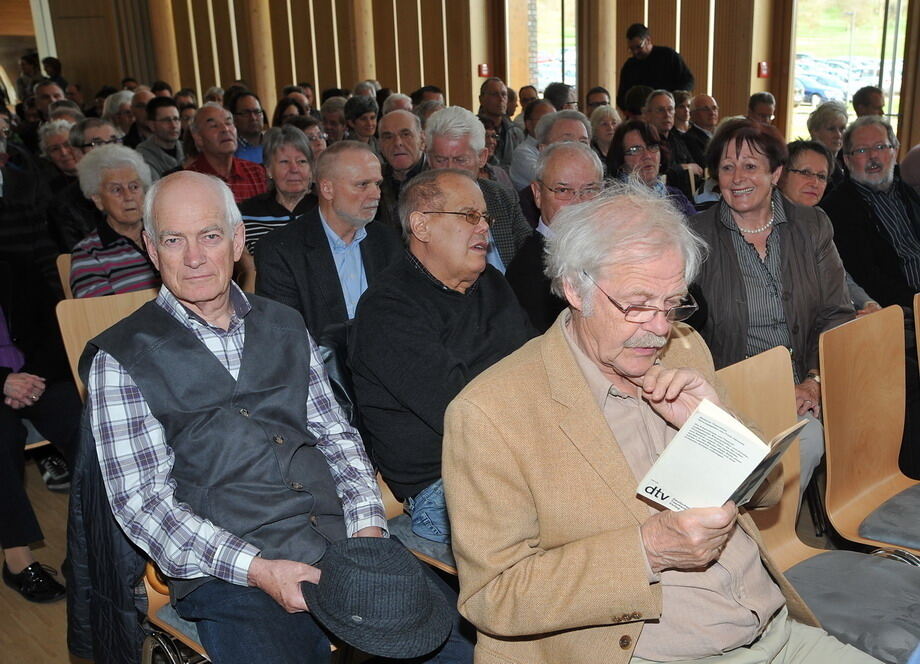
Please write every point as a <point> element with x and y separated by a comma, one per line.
<point>239,241</point>
<point>483,157</point>
<point>535,188</point>
<point>418,226</point>
<point>571,295</point>
<point>151,247</point>
<point>325,189</point>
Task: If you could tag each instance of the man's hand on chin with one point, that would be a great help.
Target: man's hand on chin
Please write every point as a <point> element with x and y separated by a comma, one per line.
<point>675,393</point>
<point>281,580</point>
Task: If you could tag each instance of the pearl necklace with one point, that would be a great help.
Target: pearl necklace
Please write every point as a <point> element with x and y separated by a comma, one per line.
<point>767,225</point>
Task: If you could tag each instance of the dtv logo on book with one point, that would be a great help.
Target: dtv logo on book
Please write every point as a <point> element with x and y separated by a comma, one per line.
<point>655,492</point>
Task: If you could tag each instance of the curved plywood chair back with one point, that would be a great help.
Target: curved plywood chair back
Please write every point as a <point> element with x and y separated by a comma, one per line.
<point>63,268</point>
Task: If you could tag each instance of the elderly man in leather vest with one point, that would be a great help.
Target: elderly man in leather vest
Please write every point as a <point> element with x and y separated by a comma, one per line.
<point>223,452</point>
<point>559,560</point>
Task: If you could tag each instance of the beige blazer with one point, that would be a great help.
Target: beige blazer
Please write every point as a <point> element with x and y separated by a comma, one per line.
<point>544,516</point>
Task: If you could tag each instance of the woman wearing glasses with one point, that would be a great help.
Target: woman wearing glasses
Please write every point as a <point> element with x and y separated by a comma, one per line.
<point>773,276</point>
<point>637,150</point>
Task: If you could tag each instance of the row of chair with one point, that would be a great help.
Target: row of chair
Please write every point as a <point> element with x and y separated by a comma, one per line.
<point>862,366</point>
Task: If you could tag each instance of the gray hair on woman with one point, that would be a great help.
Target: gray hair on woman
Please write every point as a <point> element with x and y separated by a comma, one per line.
<point>601,113</point>
<point>286,135</point>
<point>113,102</point>
<point>545,124</point>
<point>456,122</point>
<point>93,166</point>
<point>50,129</point>
<point>626,224</point>
<point>826,113</point>
<point>230,212</point>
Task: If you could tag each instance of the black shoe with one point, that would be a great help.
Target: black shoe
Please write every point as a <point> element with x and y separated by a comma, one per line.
<point>54,471</point>
<point>35,583</point>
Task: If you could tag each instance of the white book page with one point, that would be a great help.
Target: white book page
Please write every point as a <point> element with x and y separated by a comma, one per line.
<point>711,455</point>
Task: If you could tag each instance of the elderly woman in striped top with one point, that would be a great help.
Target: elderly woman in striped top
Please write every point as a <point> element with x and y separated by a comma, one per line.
<point>112,259</point>
<point>773,276</point>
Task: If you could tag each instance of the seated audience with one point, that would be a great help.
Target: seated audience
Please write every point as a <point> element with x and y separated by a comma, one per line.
<point>659,112</point>
<point>804,180</point>
<point>436,318</point>
<point>634,103</point>
<point>65,109</point>
<point>559,560</point>
<point>826,125</point>
<point>562,96</point>
<point>636,149</point>
<point>681,111</point>
<point>773,276</point>
<point>112,259</point>
<point>491,169</point>
<point>427,93</point>
<point>402,149</point>
<point>60,158</point>
<point>360,112</point>
<point>234,537</point>
<point>567,173</point>
<point>396,102</point>
<point>333,118</point>
<point>426,109</point>
<point>310,126</point>
<point>162,150</point>
<point>139,130</point>
<point>455,138</point>
<point>869,100</point>
<point>604,122</point>
<point>214,136</point>
<point>117,110</point>
<point>288,161</point>
<point>597,96</point>
<point>876,215</point>
<point>287,108</point>
<point>761,107</point>
<point>704,117</point>
<point>525,155</point>
<point>321,263</point>
<point>249,119</point>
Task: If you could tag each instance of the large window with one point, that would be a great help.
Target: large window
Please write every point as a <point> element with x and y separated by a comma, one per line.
<point>843,45</point>
<point>550,41</point>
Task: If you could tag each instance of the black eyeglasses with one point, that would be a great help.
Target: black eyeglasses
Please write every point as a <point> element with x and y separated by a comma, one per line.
<point>809,174</point>
<point>641,149</point>
<point>471,217</point>
<point>98,142</point>
<point>640,313</point>
<point>881,147</point>
<point>317,138</point>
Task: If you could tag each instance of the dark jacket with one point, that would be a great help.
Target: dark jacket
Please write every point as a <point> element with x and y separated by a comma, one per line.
<point>663,68</point>
<point>294,266</point>
<point>532,286</point>
<point>864,244</point>
<point>697,141</point>
<point>510,229</point>
<point>815,296</point>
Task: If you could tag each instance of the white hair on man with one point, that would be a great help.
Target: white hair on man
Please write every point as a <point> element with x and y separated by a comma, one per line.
<point>49,129</point>
<point>626,224</point>
<point>396,101</point>
<point>229,209</point>
<point>193,125</point>
<point>114,102</point>
<point>92,167</point>
<point>456,122</point>
<point>568,150</point>
<point>545,124</point>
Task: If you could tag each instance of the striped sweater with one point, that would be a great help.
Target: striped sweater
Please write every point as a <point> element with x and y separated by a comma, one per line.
<point>106,263</point>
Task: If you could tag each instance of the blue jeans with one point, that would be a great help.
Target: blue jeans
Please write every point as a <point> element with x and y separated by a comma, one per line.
<point>429,513</point>
<point>242,625</point>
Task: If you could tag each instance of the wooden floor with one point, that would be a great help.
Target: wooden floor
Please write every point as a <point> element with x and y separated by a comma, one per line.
<point>38,632</point>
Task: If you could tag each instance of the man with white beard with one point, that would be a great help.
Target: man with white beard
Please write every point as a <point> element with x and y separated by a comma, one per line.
<point>321,263</point>
<point>876,215</point>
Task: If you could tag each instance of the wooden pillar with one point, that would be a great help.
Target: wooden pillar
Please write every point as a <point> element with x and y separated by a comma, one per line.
<point>696,37</point>
<point>363,42</point>
<point>597,46</point>
<point>262,66</point>
<point>163,33</point>
<point>909,119</point>
<point>782,63</point>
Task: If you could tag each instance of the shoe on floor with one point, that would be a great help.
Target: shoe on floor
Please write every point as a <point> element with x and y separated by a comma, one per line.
<point>54,471</point>
<point>35,583</point>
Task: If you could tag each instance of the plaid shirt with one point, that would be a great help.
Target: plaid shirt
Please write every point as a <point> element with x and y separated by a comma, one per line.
<point>246,179</point>
<point>136,459</point>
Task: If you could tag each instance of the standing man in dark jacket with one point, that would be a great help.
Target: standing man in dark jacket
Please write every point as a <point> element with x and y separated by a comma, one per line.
<point>654,66</point>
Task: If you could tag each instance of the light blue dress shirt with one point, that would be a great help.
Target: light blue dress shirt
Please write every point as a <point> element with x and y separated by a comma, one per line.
<point>348,264</point>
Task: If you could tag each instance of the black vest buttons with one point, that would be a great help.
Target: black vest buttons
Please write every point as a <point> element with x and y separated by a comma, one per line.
<point>297,486</point>
<point>244,412</point>
<point>278,439</point>
<point>625,642</point>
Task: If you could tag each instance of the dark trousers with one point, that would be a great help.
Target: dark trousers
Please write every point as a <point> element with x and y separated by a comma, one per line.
<point>239,625</point>
<point>57,417</point>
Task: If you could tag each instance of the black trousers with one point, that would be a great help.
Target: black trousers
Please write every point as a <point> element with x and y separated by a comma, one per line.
<point>57,417</point>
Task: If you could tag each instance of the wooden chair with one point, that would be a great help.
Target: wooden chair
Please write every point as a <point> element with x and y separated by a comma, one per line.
<point>63,268</point>
<point>173,629</point>
<point>863,395</point>
<point>82,319</point>
<point>863,600</point>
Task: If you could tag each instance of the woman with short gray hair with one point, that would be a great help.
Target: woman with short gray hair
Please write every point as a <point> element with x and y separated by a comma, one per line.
<point>60,157</point>
<point>112,259</point>
<point>288,160</point>
<point>117,110</point>
<point>826,125</point>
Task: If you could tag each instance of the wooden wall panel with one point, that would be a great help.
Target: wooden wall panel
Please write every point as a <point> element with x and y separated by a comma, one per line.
<point>17,19</point>
<point>208,64</point>
<point>909,122</point>
<point>327,45</point>
<point>388,56</point>
<point>88,42</point>
<point>305,55</point>
<point>597,61</point>
<point>782,62</point>
<point>244,40</point>
<point>663,21</point>
<point>434,47</point>
<point>183,31</point>
<point>696,41</point>
<point>628,12</point>
<point>281,44</point>
<point>344,25</point>
<point>228,55</point>
<point>409,36</point>
<point>459,53</point>
<point>731,72</point>
<point>518,37</point>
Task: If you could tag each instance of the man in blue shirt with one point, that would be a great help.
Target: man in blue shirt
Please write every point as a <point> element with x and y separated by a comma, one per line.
<point>322,263</point>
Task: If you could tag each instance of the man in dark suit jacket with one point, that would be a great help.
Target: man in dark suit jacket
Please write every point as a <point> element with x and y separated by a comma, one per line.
<point>455,138</point>
<point>876,216</point>
<point>566,173</point>
<point>322,263</point>
<point>704,116</point>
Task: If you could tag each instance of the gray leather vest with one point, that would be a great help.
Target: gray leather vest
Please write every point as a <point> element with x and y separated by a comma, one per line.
<point>243,456</point>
